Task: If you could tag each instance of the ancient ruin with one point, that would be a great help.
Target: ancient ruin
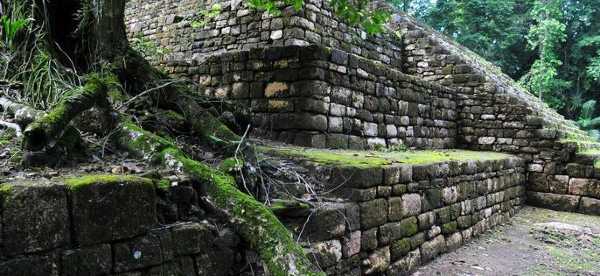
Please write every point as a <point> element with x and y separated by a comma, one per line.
<point>414,146</point>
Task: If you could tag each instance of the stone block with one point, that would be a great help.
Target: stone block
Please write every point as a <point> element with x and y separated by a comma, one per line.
<point>590,206</point>
<point>378,261</point>
<point>578,186</point>
<point>432,248</point>
<point>112,208</point>
<point>400,248</point>
<point>454,241</point>
<point>30,266</point>
<point>373,213</point>
<point>327,223</point>
<point>327,253</point>
<point>397,174</point>
<point>191,238</point>
<point>95,260</point>
<point>368,239</point>
<point>356,177</point>
<point>351,244</point>
<point>35,217</point>
<point>553,201</point>
<point>152,249</point>
<point>407,264</point>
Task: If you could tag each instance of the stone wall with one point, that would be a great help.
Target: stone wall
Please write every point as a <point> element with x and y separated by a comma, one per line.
<point>319,97</point>
<point>574,187</point>
<point>168,22</point>
<point>113,226</point>
<point>494,113</point>
<point>392,219</point>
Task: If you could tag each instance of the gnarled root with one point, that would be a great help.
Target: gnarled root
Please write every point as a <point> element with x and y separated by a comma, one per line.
<point>255,222</point>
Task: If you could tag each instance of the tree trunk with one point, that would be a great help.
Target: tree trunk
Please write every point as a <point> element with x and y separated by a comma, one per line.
<point>100,45</point>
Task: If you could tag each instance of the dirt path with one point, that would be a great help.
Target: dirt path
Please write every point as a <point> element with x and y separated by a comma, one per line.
<point>536,242</point>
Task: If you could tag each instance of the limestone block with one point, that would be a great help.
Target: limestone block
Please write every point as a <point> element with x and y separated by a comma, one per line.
<point>579,186</point>
<point>351,244</point>
<point>328,222</point>
<point>400,248</point>
<point>191,238</point>
<point>368,239</point>
<point>373,213</point>
<point>454,241</point>
<point>152,249</point>
<point>107,211</point>
<point>35,217</point>
<point>95,260</point>
<point>553,201</point>
<point>327,253</point>
<point>407,264</point>
<point>432,248</point>
<point>590,206</point>
<point>378,261</point>
<point>31,266</point>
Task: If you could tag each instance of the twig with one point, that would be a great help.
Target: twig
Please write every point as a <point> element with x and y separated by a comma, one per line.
<point>148,91</point>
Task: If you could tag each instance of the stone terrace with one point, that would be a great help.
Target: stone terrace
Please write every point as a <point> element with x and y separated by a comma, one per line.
<point>311,80</point>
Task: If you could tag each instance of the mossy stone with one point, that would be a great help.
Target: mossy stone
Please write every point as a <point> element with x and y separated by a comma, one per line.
<point>400,248</point>
<point>409,227</point>
<point>111,207</point>
<point>35,217</point>
<point>450,227</point>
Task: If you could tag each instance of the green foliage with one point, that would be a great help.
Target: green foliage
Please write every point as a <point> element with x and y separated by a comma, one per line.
<point>546,35</point>
<point>359,13</point>
<point>10,28</point>
<point>205,15</point>
<point>148,48</point>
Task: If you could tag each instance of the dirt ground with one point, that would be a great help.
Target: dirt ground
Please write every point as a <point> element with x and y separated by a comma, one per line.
<point>535,242</point>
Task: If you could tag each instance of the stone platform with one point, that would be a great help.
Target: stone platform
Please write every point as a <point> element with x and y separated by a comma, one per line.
<point>391,212</point>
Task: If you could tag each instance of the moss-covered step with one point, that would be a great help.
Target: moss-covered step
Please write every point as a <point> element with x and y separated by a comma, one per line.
<point>370,159</point>
<point>360,175</point>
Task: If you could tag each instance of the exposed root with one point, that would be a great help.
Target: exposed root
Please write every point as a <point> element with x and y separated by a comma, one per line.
<point>254,221</point>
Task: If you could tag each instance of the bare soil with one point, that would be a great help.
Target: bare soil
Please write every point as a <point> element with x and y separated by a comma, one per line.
<point>535,242</point>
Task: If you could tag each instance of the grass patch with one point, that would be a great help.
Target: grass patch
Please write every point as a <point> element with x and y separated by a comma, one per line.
<point>84,181</point>
<point>367,159</point>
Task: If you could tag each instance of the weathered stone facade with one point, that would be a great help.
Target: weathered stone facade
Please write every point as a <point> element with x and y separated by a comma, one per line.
<point>394,218</point>
<point>314,96</point>
<point>109,228</point>
<point>310,80</point>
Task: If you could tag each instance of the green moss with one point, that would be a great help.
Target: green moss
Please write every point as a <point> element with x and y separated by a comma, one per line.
<point>258,226</point>
<point>5,190</point>
<point>450,227</point>
<point>409,227</point>
<point>401,247</point>
<point>164,184</point>
<point>365,159</point>
<point>231,165</point>
<point>83,181</point>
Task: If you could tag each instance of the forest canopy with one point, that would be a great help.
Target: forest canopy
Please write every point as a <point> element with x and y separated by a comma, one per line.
<point>551,46</point>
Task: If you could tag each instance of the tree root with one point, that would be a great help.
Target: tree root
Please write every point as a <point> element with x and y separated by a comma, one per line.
<point>23,114</point>
<point>46,131</point>
<point>254,222</point>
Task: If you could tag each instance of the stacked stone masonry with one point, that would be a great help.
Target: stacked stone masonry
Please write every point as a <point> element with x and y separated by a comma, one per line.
<point>397,217</point>
<point>237,27</point>
<point>314,96</point>
<point>49,228</point>
<point>342,89</point>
